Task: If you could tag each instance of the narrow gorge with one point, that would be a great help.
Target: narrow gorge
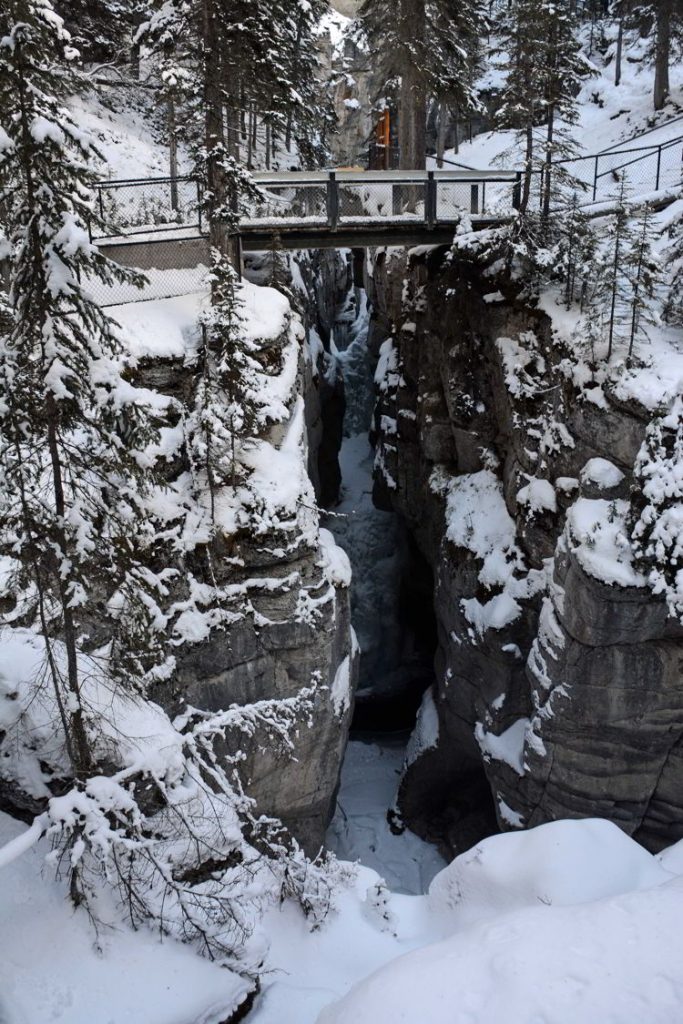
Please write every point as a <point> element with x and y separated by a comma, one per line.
<point>477,474</point>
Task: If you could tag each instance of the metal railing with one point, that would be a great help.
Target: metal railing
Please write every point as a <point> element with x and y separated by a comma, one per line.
<point>642,169</point>
<point>331,199</point>
<point>171,208</point>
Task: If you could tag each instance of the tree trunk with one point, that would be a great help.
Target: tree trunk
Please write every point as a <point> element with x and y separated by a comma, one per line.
<point>220,199</point>
<point>413,95</point>
<point>444,118</point>
<point>172,150</point>
<point>617,62</point>
<point>662,51</point>
<point>80,746</point>
<point>528,168</point>
<point>547,169</point>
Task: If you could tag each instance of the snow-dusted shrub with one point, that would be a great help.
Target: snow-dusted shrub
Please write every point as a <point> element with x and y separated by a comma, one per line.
<point>657,530</point>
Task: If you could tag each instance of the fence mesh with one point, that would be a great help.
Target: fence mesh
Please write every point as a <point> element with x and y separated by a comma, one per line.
<point>301,202</point>
<point>156,205</point>
<point>164,278</point>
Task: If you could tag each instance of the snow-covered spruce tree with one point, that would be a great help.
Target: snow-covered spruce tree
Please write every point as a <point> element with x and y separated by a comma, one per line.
<point>145,806</point>
<point>611,292</point>
<point>227,392</point>
<point>564,70</point>
<point>522,97</point>
<point>256,59</point>
<point>73,431</point>
<point>673,308</point>
<point>576,251</point>
<point>433,48</point>
<point>644,274</point>
<point>103,30</point>
<point>545,69</point>
<point>657,504</point>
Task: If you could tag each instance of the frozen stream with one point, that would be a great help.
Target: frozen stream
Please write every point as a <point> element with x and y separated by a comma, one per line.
<point>373,541</point>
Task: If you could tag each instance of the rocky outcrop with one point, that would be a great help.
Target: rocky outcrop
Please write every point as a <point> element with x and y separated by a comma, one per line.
<point>286,626</point>
<point>559,689</point>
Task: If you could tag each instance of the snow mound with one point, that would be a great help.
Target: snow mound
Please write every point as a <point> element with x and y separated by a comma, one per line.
<point>52,970</point>
<point>598,536</point>
<point>561,863</point>
<point>552,925</point>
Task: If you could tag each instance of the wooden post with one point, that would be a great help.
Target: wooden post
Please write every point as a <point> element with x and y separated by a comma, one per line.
<point>474,199</point>
<point>332,201</point>
<point>430,201</point>
<point>517,191</point>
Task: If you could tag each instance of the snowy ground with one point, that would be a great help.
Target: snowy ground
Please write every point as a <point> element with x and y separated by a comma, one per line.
<point>54,968</point>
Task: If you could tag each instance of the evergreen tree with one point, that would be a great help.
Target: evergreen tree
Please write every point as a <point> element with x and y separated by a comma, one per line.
<point>163,824</point>
<point>643,272</point>
<point>430,47</point>
<point>564,69</point>
<point>102,30</point>
<point>612,292</point>
<point>227,394</point>
<point>544,72</point>
<point>576,251</point>
<point>248,56</point>
<point>657,504</point>
<point>673,309</point>
<point>522,105</point>
<point>73,433</point>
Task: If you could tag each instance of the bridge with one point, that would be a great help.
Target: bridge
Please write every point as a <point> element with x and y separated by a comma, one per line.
<point>315,209</point>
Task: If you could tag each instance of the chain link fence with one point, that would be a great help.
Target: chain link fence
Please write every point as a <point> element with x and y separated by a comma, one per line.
<point>171,267</point>
<point>151,206</point>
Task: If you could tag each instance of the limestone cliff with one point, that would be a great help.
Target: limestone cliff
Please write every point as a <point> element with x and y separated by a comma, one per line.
<point>558,689</point>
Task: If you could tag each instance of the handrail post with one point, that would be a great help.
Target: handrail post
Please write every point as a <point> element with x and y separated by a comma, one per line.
<point>332,201</point>
<point>595,178</point>
<point>517,191</point>
<point>659,165</point>
<point>474,198</point>
<point>430,201</point>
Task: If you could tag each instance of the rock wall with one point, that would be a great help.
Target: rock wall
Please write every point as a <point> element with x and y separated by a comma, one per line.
<point>559,690</point>
<point>290,629</point>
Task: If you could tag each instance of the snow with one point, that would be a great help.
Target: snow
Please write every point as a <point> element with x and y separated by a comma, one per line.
<point>568,923</point>
<point>54,968</point>
<point>477,519</point>
<point>425,735</point>
<point>341,687</point>
<point>335,560</point>
<point>359,829</point>
<point>598,535</point>
<point>510,817</point>
<point>601,472</point>
<point>538,496</point>
<point>508,746</point>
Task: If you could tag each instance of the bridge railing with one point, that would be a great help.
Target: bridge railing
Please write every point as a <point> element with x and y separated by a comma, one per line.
<point>341,198</point>
<point>168,207</point>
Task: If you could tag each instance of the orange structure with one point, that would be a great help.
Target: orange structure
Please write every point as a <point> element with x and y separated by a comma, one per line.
<point>383,136</point>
